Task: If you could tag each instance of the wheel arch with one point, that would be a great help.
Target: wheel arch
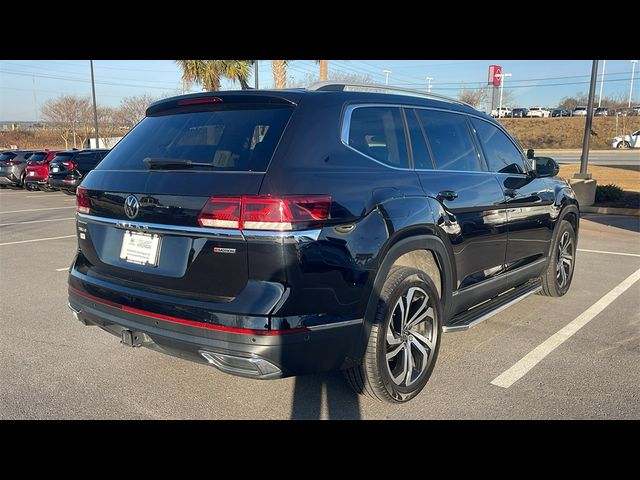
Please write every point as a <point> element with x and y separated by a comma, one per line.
<point>417,251</point>
<point>423,250</point>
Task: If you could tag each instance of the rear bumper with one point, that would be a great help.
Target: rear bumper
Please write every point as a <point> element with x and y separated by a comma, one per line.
<point>9,175</point>
<point>260,354</point>
<point>35,181</point>
<point>64,184</point>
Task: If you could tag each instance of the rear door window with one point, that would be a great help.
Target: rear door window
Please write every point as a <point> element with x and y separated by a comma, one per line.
<point>7,156</point>
<point>242,139</point>
<point>378,132</point>
<point>450,141</point>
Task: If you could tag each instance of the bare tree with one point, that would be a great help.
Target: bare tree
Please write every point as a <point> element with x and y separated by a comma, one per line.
<point>132,110</point>
<point>86,125</point>
<point>109,122</point>
<point>473,96</point>
<point>66,115</point>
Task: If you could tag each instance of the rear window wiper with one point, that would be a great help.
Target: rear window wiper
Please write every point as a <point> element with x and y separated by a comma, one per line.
<point>173,163</point>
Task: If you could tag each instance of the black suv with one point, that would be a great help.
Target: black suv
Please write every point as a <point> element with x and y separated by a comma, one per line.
<point>68,168</point>
<point>519,112</point>
<point>277,233</point>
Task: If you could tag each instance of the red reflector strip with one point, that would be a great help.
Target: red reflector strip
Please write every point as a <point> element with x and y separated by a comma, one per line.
<point>196,101</point>
<point>183,321</point>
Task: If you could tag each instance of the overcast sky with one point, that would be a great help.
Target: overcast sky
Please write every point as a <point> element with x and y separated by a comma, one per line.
<point>26,85</point>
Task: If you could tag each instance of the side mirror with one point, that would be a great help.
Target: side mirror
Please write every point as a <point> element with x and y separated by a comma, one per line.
<point>531,154</point>
<point>546,167</point>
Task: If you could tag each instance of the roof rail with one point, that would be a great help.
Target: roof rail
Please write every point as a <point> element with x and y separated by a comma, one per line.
<point>341,87</point>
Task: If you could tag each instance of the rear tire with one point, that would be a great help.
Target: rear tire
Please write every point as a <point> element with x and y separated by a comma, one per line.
<point>404,339</point>
<point>623,145</point>
<point>556,280</point>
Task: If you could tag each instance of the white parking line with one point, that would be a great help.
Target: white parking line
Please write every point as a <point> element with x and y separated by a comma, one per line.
<point>535,356</point>
<point>44,195</point>
<point>35,209</point>
<point>62,269</point>
<point>36,240</point>
<point>609,253</point>
<point>37,221</point>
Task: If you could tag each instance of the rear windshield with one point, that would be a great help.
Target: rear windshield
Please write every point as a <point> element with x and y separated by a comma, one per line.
<point>229,140</point>
<point>37,157</point>
<point>62,157</point>
<point>7,156</point>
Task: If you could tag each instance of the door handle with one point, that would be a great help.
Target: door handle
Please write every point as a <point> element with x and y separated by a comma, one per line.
<point>447,195</point>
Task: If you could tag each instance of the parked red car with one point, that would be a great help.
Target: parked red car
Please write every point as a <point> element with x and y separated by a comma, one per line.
<point>38,170</point>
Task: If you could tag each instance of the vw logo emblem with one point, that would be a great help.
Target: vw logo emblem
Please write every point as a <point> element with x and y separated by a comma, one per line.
<point>131,206</point>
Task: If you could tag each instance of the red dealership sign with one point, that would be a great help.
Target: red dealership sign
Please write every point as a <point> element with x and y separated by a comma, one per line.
<point>494,72</point>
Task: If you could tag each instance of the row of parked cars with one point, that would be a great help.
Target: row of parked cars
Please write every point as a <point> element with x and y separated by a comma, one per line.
<point>48,170</point>
<point>580,111</point>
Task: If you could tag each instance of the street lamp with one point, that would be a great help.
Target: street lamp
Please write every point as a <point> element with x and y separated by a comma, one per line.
<point>429,84</point>
<point>604,67</point>
<point>501,76</point>
<point>386,76</point>
<point>633,71</point>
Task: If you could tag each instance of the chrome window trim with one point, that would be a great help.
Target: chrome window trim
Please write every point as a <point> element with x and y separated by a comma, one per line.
<point>299,235</point>
<point>346,124</point>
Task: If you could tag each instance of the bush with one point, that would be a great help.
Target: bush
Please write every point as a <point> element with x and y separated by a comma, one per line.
<point>609,193</point>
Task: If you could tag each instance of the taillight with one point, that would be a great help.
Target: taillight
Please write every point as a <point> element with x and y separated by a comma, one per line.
<point>221,212</point>
<point>82,200</point>
<point>263,212</point>
<point>269,213</point>
<point>70,165</point>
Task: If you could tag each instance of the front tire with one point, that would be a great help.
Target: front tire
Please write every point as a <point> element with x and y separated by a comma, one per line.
<point>623,145</point>
<point>404,339</point>
<point>556,281</point>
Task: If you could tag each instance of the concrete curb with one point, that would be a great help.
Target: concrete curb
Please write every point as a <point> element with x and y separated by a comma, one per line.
<point>611,211</point>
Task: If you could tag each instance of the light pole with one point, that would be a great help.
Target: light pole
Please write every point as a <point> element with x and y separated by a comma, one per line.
<point>386,76</point>
<point>95,109</point>
<point>584,159</point>
<point>429,84</point>
<point>604,67</point>
<point>501,76</point>
<point>633,71</point>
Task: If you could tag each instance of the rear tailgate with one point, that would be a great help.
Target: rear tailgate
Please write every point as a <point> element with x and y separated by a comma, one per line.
<point>141,229</point>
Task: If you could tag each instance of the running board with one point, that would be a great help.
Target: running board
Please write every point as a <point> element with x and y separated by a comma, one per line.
<point>470,318</point>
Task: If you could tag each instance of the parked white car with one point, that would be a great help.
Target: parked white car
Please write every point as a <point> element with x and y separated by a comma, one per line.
<point>580,112</point>
<point>501,113</point>
<point>627,141</point>
<point>538,112</point>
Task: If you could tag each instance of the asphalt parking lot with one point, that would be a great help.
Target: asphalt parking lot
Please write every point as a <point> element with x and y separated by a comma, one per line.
<point>53,367</point>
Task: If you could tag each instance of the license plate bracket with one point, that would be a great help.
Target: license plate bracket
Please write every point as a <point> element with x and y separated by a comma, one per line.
<point>141,248</point>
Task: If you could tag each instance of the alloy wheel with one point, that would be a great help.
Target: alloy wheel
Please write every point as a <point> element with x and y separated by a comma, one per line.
<point>411,337</point>
<point>564,264</point>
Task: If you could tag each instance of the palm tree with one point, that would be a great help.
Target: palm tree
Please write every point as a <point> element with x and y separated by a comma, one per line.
<point>324,69</point>
<point>208,73</point>
<point>279,68</point>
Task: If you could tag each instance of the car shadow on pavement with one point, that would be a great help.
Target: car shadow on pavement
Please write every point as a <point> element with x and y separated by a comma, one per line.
<point>626,222</point>
<point>342,403</point>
